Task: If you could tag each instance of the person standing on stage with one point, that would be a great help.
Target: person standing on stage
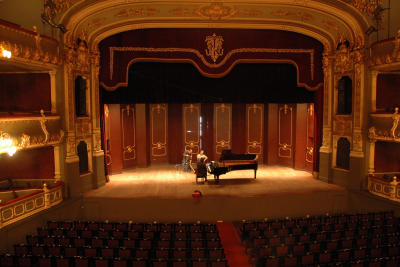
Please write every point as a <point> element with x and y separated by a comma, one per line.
<point>201,171</point>
<point>201,155</point>
<point>187,160</point>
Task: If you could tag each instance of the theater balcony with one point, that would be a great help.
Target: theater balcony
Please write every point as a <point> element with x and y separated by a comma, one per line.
<point>383,132</point>
<point>31,131</point>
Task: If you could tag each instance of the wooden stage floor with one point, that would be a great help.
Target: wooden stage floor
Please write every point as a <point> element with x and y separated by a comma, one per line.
<point>166,181</point>
<point>163,193</point>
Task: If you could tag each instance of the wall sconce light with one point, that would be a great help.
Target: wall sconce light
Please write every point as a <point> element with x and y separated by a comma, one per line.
<point>7,144</point>
<point>4,52</point>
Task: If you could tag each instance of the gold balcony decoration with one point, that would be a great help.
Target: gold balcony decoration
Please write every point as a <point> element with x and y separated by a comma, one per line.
<point>7,144</point>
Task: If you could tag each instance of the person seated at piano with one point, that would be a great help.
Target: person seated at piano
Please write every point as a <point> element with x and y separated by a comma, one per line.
<point>187,160</point>
<point>201,170</point>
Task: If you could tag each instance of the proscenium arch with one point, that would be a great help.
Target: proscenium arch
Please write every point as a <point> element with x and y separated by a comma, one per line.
<point>351,21</point>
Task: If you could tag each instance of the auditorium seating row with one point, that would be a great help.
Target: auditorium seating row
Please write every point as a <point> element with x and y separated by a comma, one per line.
<point>79,261</point>
<point>122,252</point>
<point>91,225</point>
<point>343,230</point>
<point>331,239</point>
<point>74,244</point>
<point>126,242</point>
<point>118,234</point>
<point>354,239</point>
<point>325,222</point>
<point>326,260</point>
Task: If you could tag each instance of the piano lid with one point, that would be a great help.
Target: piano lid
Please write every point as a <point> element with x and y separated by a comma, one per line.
<point>228,155</point>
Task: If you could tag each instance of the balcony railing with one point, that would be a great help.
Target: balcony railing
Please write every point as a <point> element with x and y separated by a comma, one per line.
<point>384,188</point>
<point>24,206</point>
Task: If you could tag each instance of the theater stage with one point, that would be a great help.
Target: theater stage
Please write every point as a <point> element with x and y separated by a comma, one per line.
<point>164,193</point>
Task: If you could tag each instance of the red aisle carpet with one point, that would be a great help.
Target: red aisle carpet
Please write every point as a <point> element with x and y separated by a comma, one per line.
<point>234,252</point>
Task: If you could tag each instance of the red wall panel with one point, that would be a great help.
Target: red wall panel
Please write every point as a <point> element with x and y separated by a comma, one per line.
<point>158,133</point>
<point>114,132</point>
<point>128,132</point>
<point>387,91</point>
<point>191,127</point>
<point>222,128</point>
<point>28,164</point>
<point>239,128</point>
<point>387,157</point>
<point>255,130</point>
<point>286,134</point>
<point>25,92</point>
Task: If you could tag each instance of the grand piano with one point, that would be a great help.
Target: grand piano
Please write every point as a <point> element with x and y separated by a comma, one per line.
<point>231,162</point>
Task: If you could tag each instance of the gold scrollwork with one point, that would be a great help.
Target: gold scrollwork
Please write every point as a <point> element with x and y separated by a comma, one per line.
<point>214,46</point>
<point>216,11</point>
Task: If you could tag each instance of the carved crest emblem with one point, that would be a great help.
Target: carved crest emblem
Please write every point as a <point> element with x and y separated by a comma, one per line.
<point>214,46</point>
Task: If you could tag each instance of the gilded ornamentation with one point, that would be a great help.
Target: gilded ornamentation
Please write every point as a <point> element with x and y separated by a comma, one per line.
<point>343,60</point>
<point>216,11</point>
<point>214,46</point>
<point>382,188</point>
<point>326,140</point>
<point>180,11</point>
<point>25,140</point>
<point>250,12</point>
<point>43,121</point>
<point>93,24</point>
<point>330,25</point>
<point>51,8</point>
<point>137,12</point>
<point>372,134</point>
<point>395,124</point>
<point>29,51</point>
<point>372,7</point>
<point>296,15</point>
<point>357,142</point>
<point>82,57</point>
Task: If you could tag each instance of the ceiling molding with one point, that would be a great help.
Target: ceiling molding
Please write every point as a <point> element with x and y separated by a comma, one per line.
<point>322,20</point>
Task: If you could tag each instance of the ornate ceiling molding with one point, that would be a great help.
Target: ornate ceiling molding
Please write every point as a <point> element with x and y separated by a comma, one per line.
<point>323,20</point>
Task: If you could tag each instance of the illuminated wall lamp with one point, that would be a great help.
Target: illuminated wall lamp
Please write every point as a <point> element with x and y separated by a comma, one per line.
<point>7,144</point>
<point>5,53</point>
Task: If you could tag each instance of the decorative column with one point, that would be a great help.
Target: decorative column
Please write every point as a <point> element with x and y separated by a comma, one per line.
<point>96,134</point>
<point>358,103</point>
<point>57,169</point>
<point>53,91</point>
<point>98,154</point>
<point>374,77</point>
<point>328,105</point>
<point>72,175</point>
